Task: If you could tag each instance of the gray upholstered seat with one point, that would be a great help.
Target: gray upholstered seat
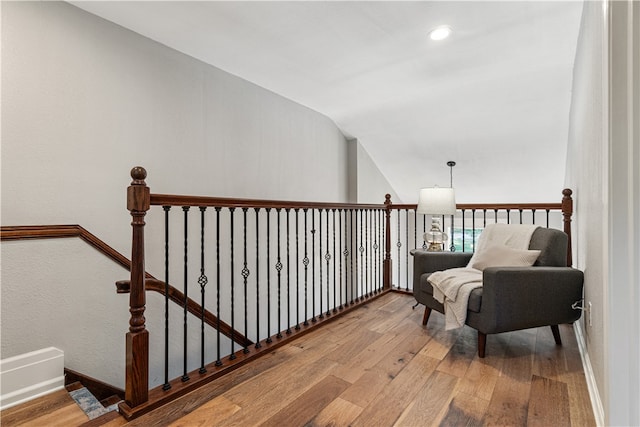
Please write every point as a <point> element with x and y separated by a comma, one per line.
<point>511,298</point>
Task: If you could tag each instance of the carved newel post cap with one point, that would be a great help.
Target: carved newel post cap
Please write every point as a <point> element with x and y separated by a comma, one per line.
<point>138,173</point>
<point>387,199</point>
<point>567,192</point>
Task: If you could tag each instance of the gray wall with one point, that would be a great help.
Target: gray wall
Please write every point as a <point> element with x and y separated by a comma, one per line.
<point>84,100</point>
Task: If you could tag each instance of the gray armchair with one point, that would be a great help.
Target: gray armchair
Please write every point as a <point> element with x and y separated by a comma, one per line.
<point>511,298</point>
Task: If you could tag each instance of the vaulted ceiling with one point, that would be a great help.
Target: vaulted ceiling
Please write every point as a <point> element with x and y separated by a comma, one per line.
<point>494,97</point>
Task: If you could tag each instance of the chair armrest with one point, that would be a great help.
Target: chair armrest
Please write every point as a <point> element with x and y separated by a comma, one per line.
<point>428,262</point>
<point>527,297</point>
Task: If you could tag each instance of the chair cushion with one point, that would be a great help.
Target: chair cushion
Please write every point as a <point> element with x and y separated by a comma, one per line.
<point>503,256</point>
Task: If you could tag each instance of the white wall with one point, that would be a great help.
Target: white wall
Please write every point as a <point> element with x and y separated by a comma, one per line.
<point>371,185</point>
<point>622,320</point>
<point>587,175</point>
<point>83,101</point>
<point>602,168</point>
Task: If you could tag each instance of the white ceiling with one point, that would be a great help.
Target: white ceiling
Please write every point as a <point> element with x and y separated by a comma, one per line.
<point>494,97</point>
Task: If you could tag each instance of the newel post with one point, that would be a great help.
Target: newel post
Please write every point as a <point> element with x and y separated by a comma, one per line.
<point>567,212</point>
<point>387,244</point>
<point>137,339</point>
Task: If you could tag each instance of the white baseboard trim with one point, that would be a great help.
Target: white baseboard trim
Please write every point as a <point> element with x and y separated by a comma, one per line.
<point>30,375</point>
<point>594,394</point>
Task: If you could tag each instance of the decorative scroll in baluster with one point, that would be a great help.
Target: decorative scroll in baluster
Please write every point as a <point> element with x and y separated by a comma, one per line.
<point>137,339</point>
<point>166,385</point>
<point>202,281</point>
<point>343,285</point>
<point>352,271</point>
<point>376,247</point>
<point>367,256</point>
<point>321,315</point>
<point>185,209</point>
<point>357,263</point>
<point>363,283</point>
<point>399,246</point>
<point>387,244</point>
<point>567,211</point>
<point>279,270</point>
<point>406,254</point>
<point>245,276</point>
<point>327,258</point>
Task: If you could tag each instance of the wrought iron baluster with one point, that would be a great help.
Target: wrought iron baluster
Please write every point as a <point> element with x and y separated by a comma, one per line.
<point>352,271</point>
<point>463,229</point>
<point>232,271</point>
<point>378,270</point>
<point>245,276</point>
<point>399,245</point>
<point>367,234</point>
<point>508,216</point>
<point>185,377</point>
<point>219,357</point>
<point>257,345</point>
<point>484,218</point>
<point>269,340</point>
<point>343,285</point>
<point>520,216</point>
<point>424,230</point>
<point>305,262</point>
<point>381,233</point>
<point>313,266</point>
<point>363,284</point>
<point>473,229</point>
<point>288,277</point>
<point>548,217</point>
<point>166,385</point>
<point>279,270</point>
<point>533,216</point>
<point>327,258</point>
<point>202,281</point>
<point>406,249</point>
<point>297,269</point>
<point>335,303</point>
<point>321,315</point>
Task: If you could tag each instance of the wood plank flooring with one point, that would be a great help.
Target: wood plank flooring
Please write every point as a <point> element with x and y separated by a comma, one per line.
<point>378,366</point>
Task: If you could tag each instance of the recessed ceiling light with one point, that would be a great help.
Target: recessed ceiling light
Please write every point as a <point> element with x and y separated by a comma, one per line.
<point>440,33</point>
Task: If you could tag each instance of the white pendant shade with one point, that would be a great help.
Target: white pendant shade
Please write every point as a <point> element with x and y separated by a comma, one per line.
<point>437,201</point>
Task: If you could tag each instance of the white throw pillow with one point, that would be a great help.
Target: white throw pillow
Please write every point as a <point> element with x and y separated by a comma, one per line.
<point>503,256</point>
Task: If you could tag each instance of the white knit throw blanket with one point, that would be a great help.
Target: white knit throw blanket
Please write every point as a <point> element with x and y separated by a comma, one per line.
<point>452,287</point>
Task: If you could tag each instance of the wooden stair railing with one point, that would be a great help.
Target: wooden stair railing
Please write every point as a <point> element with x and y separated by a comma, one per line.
<point>138,399</point>
<point>31,232</point>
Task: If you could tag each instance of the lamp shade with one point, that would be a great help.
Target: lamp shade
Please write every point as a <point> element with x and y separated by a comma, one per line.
<point>437,201</point>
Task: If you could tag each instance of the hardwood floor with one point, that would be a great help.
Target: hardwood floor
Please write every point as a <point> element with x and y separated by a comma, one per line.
<point>378,366</point>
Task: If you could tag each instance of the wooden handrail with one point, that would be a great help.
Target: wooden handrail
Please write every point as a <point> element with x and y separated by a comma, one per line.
<point>181,200</point>
<point>494,206</point>
<point>20,232</point>
<point>31,232</point>
<point>124,286</point>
